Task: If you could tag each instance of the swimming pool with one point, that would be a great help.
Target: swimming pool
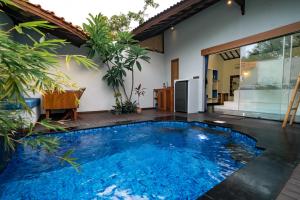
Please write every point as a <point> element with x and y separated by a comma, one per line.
<point>148,160</point>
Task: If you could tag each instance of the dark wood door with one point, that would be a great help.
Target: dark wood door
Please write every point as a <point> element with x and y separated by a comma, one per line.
<point>174,71</point>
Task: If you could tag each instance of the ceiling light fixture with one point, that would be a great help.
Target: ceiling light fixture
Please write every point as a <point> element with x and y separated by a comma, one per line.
<point>229,2</point>
<point>172,28</point>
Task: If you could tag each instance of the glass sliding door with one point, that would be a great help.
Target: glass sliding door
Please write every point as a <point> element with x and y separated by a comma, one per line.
<point>291,69</point>
<point>295,65</point>
<point>268,74</point>
<point>261,79</point>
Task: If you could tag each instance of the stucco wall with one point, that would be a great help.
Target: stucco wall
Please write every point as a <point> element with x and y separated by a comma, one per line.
<point>230,68</point>
<point>220,24</point>
<point>98,96</point>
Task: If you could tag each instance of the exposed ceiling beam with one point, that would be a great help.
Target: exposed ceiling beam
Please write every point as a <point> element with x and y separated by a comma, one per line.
<point>236,51</point>
<point>233,56</point>
<point>242,5</point>
<point>228,57</point>
<point>222,56</point>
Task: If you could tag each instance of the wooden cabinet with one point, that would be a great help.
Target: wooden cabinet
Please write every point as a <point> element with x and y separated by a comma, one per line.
<point>164,99</point>
<point>222,97</point>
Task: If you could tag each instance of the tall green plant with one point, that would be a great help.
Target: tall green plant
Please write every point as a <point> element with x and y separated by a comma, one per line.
<point>119,52</point>
<point>122,22</point>
<point>28,69</point>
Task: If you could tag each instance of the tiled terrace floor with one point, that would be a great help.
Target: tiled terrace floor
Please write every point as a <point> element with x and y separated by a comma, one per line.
<point>262,178</point>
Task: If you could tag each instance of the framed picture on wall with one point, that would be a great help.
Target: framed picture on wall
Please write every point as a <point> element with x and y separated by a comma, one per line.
<point>234,84</point>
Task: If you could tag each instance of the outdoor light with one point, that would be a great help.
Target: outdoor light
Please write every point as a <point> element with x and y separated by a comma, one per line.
<point>246,74</point>
<point>229,2</point>
<point>172,28</point>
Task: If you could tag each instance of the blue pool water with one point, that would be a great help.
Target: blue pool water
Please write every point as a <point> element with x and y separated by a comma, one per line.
<point>149,160</point>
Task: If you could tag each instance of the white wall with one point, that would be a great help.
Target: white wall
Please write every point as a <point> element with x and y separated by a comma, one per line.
<point>230,68</point>
<point>98,96</point>
<point>220,24</point>
<point>152,76</point>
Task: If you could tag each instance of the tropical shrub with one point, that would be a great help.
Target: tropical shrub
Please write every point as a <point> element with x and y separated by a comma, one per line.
<point>28,69</point>
<point>111,41</point>
<point>139,91</point>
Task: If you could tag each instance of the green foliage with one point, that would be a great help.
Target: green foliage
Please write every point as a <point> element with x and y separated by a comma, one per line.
<point>119,52</point>
<point>66,157</point>
<point>115,76</point>
<point>125,107</point>
<point>26,69</point>
<point>100,37</point>
<point>129,107</point>
<point>122,22</point>
<point>265,50</point>
<point>118,108</point>
<point>139,91</point>
<point>34,25</point>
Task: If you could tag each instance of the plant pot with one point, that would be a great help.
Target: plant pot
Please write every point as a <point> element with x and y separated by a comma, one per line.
<point>139,110</point>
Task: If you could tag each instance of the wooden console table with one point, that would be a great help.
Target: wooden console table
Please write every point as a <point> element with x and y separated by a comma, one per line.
<point>164,99</point>
<point>66,100</point>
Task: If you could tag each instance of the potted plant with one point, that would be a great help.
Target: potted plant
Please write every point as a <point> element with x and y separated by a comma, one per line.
<point>139,91</point>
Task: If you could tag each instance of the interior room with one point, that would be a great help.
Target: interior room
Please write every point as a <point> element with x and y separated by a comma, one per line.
<point>223,78</point>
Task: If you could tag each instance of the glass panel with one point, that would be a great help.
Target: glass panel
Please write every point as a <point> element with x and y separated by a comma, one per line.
<point>261,79</point>
<point>286,75</point>
<point>295,65</point>
<point>291,70</point>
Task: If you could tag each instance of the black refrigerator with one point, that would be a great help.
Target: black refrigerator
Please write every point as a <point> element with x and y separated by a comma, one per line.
<point>181,96</point>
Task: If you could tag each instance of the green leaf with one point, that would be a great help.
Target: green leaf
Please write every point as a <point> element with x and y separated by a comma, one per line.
<point>138,65</point>
<point>66,157</point>
<point>34,25</point>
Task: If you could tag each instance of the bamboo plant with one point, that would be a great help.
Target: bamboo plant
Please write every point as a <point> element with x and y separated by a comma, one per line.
<point>26,69</point>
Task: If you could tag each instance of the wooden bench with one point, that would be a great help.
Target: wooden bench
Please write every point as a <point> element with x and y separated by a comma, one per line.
<point>66,100</point>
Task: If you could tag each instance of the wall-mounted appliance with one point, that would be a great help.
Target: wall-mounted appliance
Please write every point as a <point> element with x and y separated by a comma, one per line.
<point>186,97</point>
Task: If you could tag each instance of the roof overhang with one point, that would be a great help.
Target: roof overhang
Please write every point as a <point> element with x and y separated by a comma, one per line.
<point>26,11</point>
<point>170,17</point>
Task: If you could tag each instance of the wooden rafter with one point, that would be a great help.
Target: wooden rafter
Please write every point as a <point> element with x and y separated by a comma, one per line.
<point>227,56</point>
<point>233,56</point>
<point>222,56</point>
<point>237,53</point>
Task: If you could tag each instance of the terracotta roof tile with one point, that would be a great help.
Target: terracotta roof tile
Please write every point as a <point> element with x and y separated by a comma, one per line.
<point>50,16</point>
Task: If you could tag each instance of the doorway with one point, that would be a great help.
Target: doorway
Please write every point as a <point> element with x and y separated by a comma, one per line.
<point>174,71</point>
<point>223,79</point>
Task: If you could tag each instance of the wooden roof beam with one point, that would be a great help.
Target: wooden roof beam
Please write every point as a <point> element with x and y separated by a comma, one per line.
<point>237,53</point>
<point>222,56</point>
